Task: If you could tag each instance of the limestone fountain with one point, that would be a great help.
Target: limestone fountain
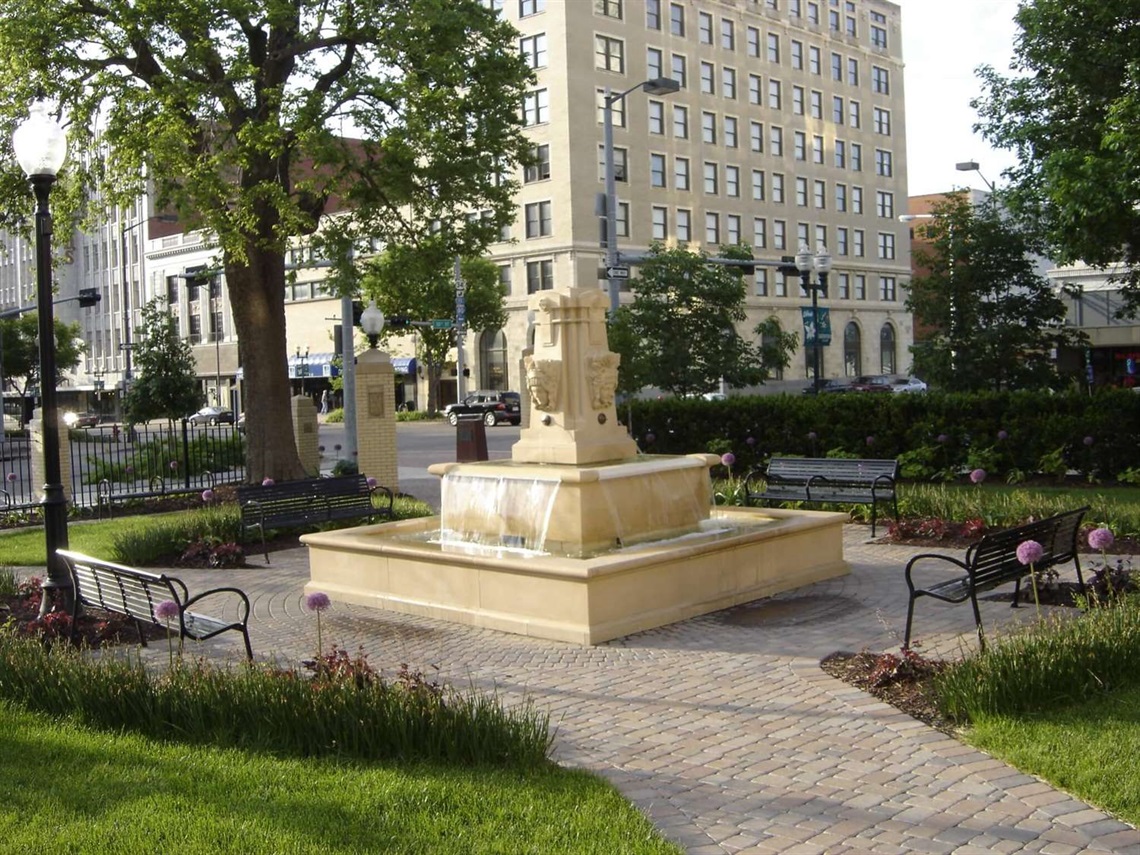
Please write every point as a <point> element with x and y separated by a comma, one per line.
<point>578,537</point>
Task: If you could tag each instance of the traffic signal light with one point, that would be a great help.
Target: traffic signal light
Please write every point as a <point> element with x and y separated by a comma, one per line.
<point>398,322</point>
<point>89,297</point>
<point>788,266</point>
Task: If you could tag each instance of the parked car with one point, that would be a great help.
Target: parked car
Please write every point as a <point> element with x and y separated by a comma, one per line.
<point>831,385</point>
<point>493,407</point>
<point>871,383</point>
<point>907,384</point>
<point>212,416</point>
<point>80,420</point>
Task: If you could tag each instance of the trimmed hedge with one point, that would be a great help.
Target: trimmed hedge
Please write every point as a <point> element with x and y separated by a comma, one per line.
<point>933,434</point>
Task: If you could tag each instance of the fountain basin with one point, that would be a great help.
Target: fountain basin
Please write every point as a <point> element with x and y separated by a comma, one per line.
<point>757,553</point>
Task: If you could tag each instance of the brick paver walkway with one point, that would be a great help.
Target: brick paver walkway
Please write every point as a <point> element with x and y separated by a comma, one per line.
<point>723,729</point>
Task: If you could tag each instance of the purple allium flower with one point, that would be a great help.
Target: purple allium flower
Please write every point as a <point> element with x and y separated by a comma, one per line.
<point>207,495</point>
<point>130,470</point>
<point>166,610</point>
<point>173,464</point>
<point>812,435</point>
<point>11,476</point>
<point>870,440</point>
<point>317,601</point>
<point>267,482</point>
<point>1003,435</point>
<point>1030,552</point>
<point>1101,538</point>
<point>977,476</point>
<point>1088,440</point>
<point>728,458</point>
<point>370,481</point>
<point>649,437</point>
<point>750,441</point>
<point>942,438</point>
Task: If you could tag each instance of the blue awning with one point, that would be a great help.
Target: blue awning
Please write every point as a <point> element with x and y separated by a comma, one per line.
<point>404,364</point>
<point>313,365</point>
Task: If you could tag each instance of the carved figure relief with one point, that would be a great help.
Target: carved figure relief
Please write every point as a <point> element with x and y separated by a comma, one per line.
<point>602,376</point>
<point>542,379</point>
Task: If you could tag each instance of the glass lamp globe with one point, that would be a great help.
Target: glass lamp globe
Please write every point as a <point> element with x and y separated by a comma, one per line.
<point>39,142</point>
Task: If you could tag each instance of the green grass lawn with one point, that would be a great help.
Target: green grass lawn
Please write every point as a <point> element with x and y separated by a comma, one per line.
<point>1087,749</point>
<point>84,791</point>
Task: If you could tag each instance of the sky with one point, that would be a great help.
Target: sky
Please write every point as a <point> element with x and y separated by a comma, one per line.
<point>944,41</point>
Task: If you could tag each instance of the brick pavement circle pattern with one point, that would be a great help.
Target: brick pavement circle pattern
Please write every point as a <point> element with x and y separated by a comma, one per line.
<point>723,729</point>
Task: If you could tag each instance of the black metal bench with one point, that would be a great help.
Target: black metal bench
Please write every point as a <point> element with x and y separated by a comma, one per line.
<point>825,479</point>
<point>136,594</point>
<point>993,561</point>
<point>308,502</point>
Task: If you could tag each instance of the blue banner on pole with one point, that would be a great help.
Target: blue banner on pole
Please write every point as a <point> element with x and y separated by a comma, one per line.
<point>809,326</point>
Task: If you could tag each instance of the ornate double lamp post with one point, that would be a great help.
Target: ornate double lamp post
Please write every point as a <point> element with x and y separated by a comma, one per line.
<point>822,264</point>
<point>41,147</point>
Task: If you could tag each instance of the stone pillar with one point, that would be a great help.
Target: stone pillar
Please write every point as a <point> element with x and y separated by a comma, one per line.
<point>376,417</point>
<point>305,432</point>
<point>36,438</point>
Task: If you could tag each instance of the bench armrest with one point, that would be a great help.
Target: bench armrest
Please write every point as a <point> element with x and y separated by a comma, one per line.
<point>241,595</point>
<point>933,556</point>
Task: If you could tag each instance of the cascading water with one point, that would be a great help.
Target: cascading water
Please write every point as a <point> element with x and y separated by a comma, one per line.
<point>486,510</point>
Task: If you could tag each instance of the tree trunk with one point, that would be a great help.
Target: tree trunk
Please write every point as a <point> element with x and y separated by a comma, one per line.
<point>257,289</point>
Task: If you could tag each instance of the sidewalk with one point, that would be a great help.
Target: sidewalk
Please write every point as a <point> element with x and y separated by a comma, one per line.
<point>723,729</point>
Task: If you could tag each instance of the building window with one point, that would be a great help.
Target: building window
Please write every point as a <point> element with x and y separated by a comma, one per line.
<point>879,30</point>
<point>756,136</point>
<point>539,167</point>
<point>708,128</point>
<point>538,219</point>
<point>705,28</point>
<point>774,99</point>
<point>730,135</point>
<point>531,7</point>
<point>758,185</point>
<point>710,179</point>
<point>814,61</point>
<point>759,232</point>
<point>820,194</point>
<point>880,80</point>
<point>505,277</point>
<point>843,286</point>
<point>883,164</point>
<point>887,289</point>
<point>779,235</point>
<point>885,204</point>
<point>816,102</point>
<point>534,50</point>
<point>609,54</point>
<point>656,117</point>
<point>654,63</point>
<point>684,226</point>
<point>856,200</point>
<point>801,192</point>
<point>852,71</point>
<point>762,291</point>
<point>797,100</point>
<point>837,112</point>
<point>857,243</point>
<point>621,164</point>
<point>732,229</point>
<point>677,19</point>
<point>679,69</point>
<point>841,247</point>
<point>799,145</point>
<point>797,52</point>
<point>840,154</point>
<point>773,47</point>
<point>856,157</point>
<point>708,78</point>
<point>712,228</point>
<point>727,34</point>
<point>813,12</point>
<point>493,360</point>
<point>886,246</point>
<point>680,122</point>
<point>817,149</point>
<point>539,276</point>
<point>536,108</point>
<point>732,181</point>
<point>680,173</point>
<point>754,89</point>
<point>657,170</point>
<point>622,219</point>
<point>660,221</point>
<point>617,110</point>
<point>609,8</point>
<point>653,14</point>
<point>778,188</point>
<point>728,83</point>
<point>753,40</point>
<point>836,67</point>
<point>852,350</point>
<point>882,121</point>
<point>841,198</point>
<point>853,118</point>
<point>860,286</point>
<point>887,349</point>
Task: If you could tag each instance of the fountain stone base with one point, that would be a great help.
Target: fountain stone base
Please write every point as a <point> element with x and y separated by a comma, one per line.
<point>757,553</point>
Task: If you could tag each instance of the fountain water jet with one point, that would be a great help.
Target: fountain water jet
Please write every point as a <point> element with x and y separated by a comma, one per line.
<point>578,537</point>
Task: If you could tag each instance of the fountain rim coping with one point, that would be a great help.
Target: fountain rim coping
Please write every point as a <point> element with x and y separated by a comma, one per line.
<point>572,473</point>
<point>361,540</point>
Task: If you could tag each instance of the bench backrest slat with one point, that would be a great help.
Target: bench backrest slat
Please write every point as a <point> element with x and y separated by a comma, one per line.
<point>292,500</point>
<point>994,557</point>
<point>795,468</point>
<point>123,590</point>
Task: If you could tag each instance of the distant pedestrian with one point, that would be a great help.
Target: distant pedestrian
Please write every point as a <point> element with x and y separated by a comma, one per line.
<point>325,402</point>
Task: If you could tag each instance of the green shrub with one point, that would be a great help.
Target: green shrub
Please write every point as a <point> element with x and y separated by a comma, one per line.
<point>336,416</point>
<point>343,710</point>
<point>1053,662</point>
<point>157,538</point>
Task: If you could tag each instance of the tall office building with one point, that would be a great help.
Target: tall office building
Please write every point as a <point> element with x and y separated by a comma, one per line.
<point>788,128</point>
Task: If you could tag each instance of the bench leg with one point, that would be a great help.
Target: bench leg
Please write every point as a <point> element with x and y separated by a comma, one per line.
<point>874,509</point>
<point>978,621</point>
<point>139,630</point>
<point>1016,594</point>
<point>1080,576</point>
<point>909,619</point>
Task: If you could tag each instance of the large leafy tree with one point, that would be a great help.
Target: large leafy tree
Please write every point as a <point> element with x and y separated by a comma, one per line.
<point>419,283</point>
<point>992,320</point>
<point>1071,112</point>
<point>234,112</point>
<point>167,384</point>
<point>20,351</point>
<point>679,334</point>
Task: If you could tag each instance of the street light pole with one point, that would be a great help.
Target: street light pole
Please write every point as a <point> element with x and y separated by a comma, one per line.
<point>657,86</point>
<point>41,148</point>
<point>822,265</point>
<point>972,166</point>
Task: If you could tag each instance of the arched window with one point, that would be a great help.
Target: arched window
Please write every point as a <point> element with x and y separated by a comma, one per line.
<point>852,350</point>
<point>493,360</point>
<point>887,349</point>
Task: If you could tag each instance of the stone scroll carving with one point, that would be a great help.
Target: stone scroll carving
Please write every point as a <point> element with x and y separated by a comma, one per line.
<point>602,376</point>
<point>542,381</point>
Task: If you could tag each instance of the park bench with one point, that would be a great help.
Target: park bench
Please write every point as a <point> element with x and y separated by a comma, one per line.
<point>136,594</point>
<point>308,501</point>
<point>993,561</point>
<point>817,480</point>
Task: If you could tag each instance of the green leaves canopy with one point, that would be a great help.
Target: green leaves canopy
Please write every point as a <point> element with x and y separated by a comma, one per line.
<point>20,356</point>
<point>1071,112</point>
<point>167,384</point>
<point>236,112</point>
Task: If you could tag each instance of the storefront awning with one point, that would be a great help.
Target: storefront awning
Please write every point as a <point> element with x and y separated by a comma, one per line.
<point>313,365</point>
<point>404,364</point>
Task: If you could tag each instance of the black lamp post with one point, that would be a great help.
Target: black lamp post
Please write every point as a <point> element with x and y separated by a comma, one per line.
<point>822,263</point>
<point>41,147</point>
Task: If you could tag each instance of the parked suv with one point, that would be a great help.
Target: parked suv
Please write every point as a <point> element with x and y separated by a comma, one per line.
<point>494,407</point>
